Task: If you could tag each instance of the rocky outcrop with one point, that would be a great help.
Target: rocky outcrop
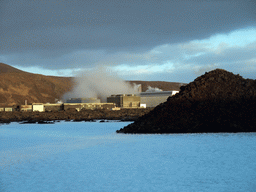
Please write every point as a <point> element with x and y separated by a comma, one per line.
<point>217,101</point>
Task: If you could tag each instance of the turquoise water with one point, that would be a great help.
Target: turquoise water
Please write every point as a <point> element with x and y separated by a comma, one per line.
<point>90,156</point>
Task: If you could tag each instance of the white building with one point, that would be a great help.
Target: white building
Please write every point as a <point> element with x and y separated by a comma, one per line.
<point>38,107</point>
<point>152,99</point>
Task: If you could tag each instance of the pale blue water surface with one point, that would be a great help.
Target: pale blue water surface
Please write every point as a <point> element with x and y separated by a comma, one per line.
<point>90,156</point>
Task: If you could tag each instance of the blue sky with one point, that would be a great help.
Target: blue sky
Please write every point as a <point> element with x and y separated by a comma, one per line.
<point>150,40</point>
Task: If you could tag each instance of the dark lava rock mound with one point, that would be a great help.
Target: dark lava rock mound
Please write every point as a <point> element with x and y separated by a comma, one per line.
<point>217,101</point>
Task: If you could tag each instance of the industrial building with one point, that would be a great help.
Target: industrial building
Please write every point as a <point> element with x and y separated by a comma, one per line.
<point>86,103</point>
<point>152,99</point>
<point>83,100</point>
<point>47,107</point>
<point>38,107</point>
<point>125,100</point>
<point>91,106</point>
<point>25,107</point>
<point>53,107</point>
<point>9,109</point>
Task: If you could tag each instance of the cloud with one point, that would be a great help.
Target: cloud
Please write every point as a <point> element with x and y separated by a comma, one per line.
<point>164,62</point>
<point>60,30</point>
<point>198,57</point>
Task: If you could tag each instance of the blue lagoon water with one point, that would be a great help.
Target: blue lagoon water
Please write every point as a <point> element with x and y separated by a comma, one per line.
<point>90,156</point>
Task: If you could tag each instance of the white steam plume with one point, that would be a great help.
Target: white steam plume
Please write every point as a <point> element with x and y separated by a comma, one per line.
<point>153,89</point>
<point>99,83</point>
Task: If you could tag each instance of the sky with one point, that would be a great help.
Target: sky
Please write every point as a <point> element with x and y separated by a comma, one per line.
<point>151,40</point>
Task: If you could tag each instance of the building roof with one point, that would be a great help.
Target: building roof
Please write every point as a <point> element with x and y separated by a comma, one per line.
<point>154,94</point>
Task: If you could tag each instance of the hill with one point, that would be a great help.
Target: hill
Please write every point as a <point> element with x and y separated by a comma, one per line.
<point>16,86</point>
<point>218,101</point>
<point>8,69</point>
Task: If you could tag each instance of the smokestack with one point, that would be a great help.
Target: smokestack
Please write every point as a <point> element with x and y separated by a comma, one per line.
<point>140,88</point>
<point>137,87</point>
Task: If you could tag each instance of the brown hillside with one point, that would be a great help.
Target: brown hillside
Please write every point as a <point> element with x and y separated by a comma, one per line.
<point>16,86</point>
<point>8,69</point>
<point>218,101</point>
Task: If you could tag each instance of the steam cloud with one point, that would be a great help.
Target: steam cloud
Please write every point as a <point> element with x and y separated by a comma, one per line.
<point>153,89</point>
<point>99,83</point>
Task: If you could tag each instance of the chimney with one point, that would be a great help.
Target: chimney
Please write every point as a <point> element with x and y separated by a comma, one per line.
<point>140,88</point>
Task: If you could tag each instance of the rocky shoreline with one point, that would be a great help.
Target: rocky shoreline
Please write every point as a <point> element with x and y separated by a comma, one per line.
<point>72,115</point>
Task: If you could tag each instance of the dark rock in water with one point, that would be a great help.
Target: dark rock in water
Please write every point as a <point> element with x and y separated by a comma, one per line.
<point>129,119</point>
<point>78,120</point>
<point>217,101</point>
<point>45,122</point>
<point>5,122</point>
<point>29,122</point>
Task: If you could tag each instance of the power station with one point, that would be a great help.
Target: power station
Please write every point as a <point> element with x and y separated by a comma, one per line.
<point>114,102</point>
<point>125,100</point>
